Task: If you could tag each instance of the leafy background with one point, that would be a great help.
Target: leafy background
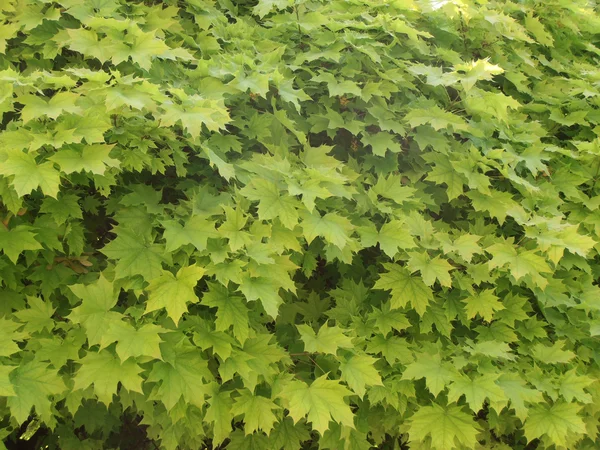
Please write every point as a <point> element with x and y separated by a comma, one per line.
<point>300,224</point>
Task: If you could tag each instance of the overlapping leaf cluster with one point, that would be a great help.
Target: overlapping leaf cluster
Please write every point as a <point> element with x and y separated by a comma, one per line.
<point>300,224</point>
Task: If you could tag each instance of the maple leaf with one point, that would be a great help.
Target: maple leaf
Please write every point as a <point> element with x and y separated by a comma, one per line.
<point>232,228</point>
<point>521,263</point>
<point>448,427</point>
<point>195,231</point>
<point>94,313</point>
<point>405,288</point>
<point>16,240</point>
<point>552,354</point>
<point>211,113</point>
<point>475,71</point>
<point>445,171</point>
<point>231,311</point>
<point>173,292</point>
<point>104,371</point>
<point>146,46</point>
<point>272,203</point>
<point>358,371</point>
<point>132,342</point>
<point>381,142</point>
<point>35,106</point>
<point>517,391</point>
<point>431,268</point>
<point>219,414</point>
<point>484,303</point>
<point>436,117</point>
<point>558,422</point>
<point>28,175</point>
<point>33,382</point>
<point>264,289</point>
<point>257,411</point>
<point>437,373</point>
<point>288,436</point>
<point>333,227</point>
<point>135,255</point>
<point>90,158</point>
<point>476,390</point>
<point>326,340</point>
<point>320,402</point>
<point>387,319</point>
<point>181,376</point>
<point>38,316</point>
<point>220,342</point>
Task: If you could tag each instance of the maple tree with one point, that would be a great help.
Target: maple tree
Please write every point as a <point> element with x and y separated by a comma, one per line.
<point>300,224</point>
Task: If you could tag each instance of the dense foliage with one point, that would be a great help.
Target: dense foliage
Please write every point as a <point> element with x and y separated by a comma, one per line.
<point>284,224</point>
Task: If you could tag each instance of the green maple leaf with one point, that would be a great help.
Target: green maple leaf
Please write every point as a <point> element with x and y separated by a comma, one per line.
<point>272,203</point>
<point>537,29</point>
<point>448,427</point>
<point>35,106</point>
<point>62,208</point>
<point>32,383</point>
<point>334,228</point>
<point>145,47</point>
<point>437,373</point>
<point>264,7</point>
<point>431,268</point>
<point>257,411</point>
<point>86,42</point>
<point>405,288</point>
<point>27,175</point>
<point>173,292</point>
<point>445,171</point>
<point>320,402</point>
<point>6,387</point>
<point>8,31</point>
<point>38,316</point>
<point>181,377</point>
<point>476,390</point>
<point>490,104</point>
<point>436,117</point>
<point>359,371</point>
<point>135,254</point>
<point>571,386</point>
<point>520,264</point>
<point>387,319</point>
<point>132,342</point>
<point>195,231</point>
<point>553,354</point>
<point>105,371</point>
<point>90,127</point>
<point>220,341</point>
<point>475,71</point>
<point>211,113</point>
<point>231,311</point>
<point>392,348</point>
<point>94,313</point>
<point>257,83</point>
<point>559,422</point>
<point>484,303</point>
<point>16,240</point>
<point>326,340</point>
<point>288,436</point>
<point>392,236</point>
<point>264,289</point>
<point>232,228</point>
<point>219,414</point>
<point>381,142</point>
<point>393,189</point>
<point>89,158</point>
<point>518,393</point>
